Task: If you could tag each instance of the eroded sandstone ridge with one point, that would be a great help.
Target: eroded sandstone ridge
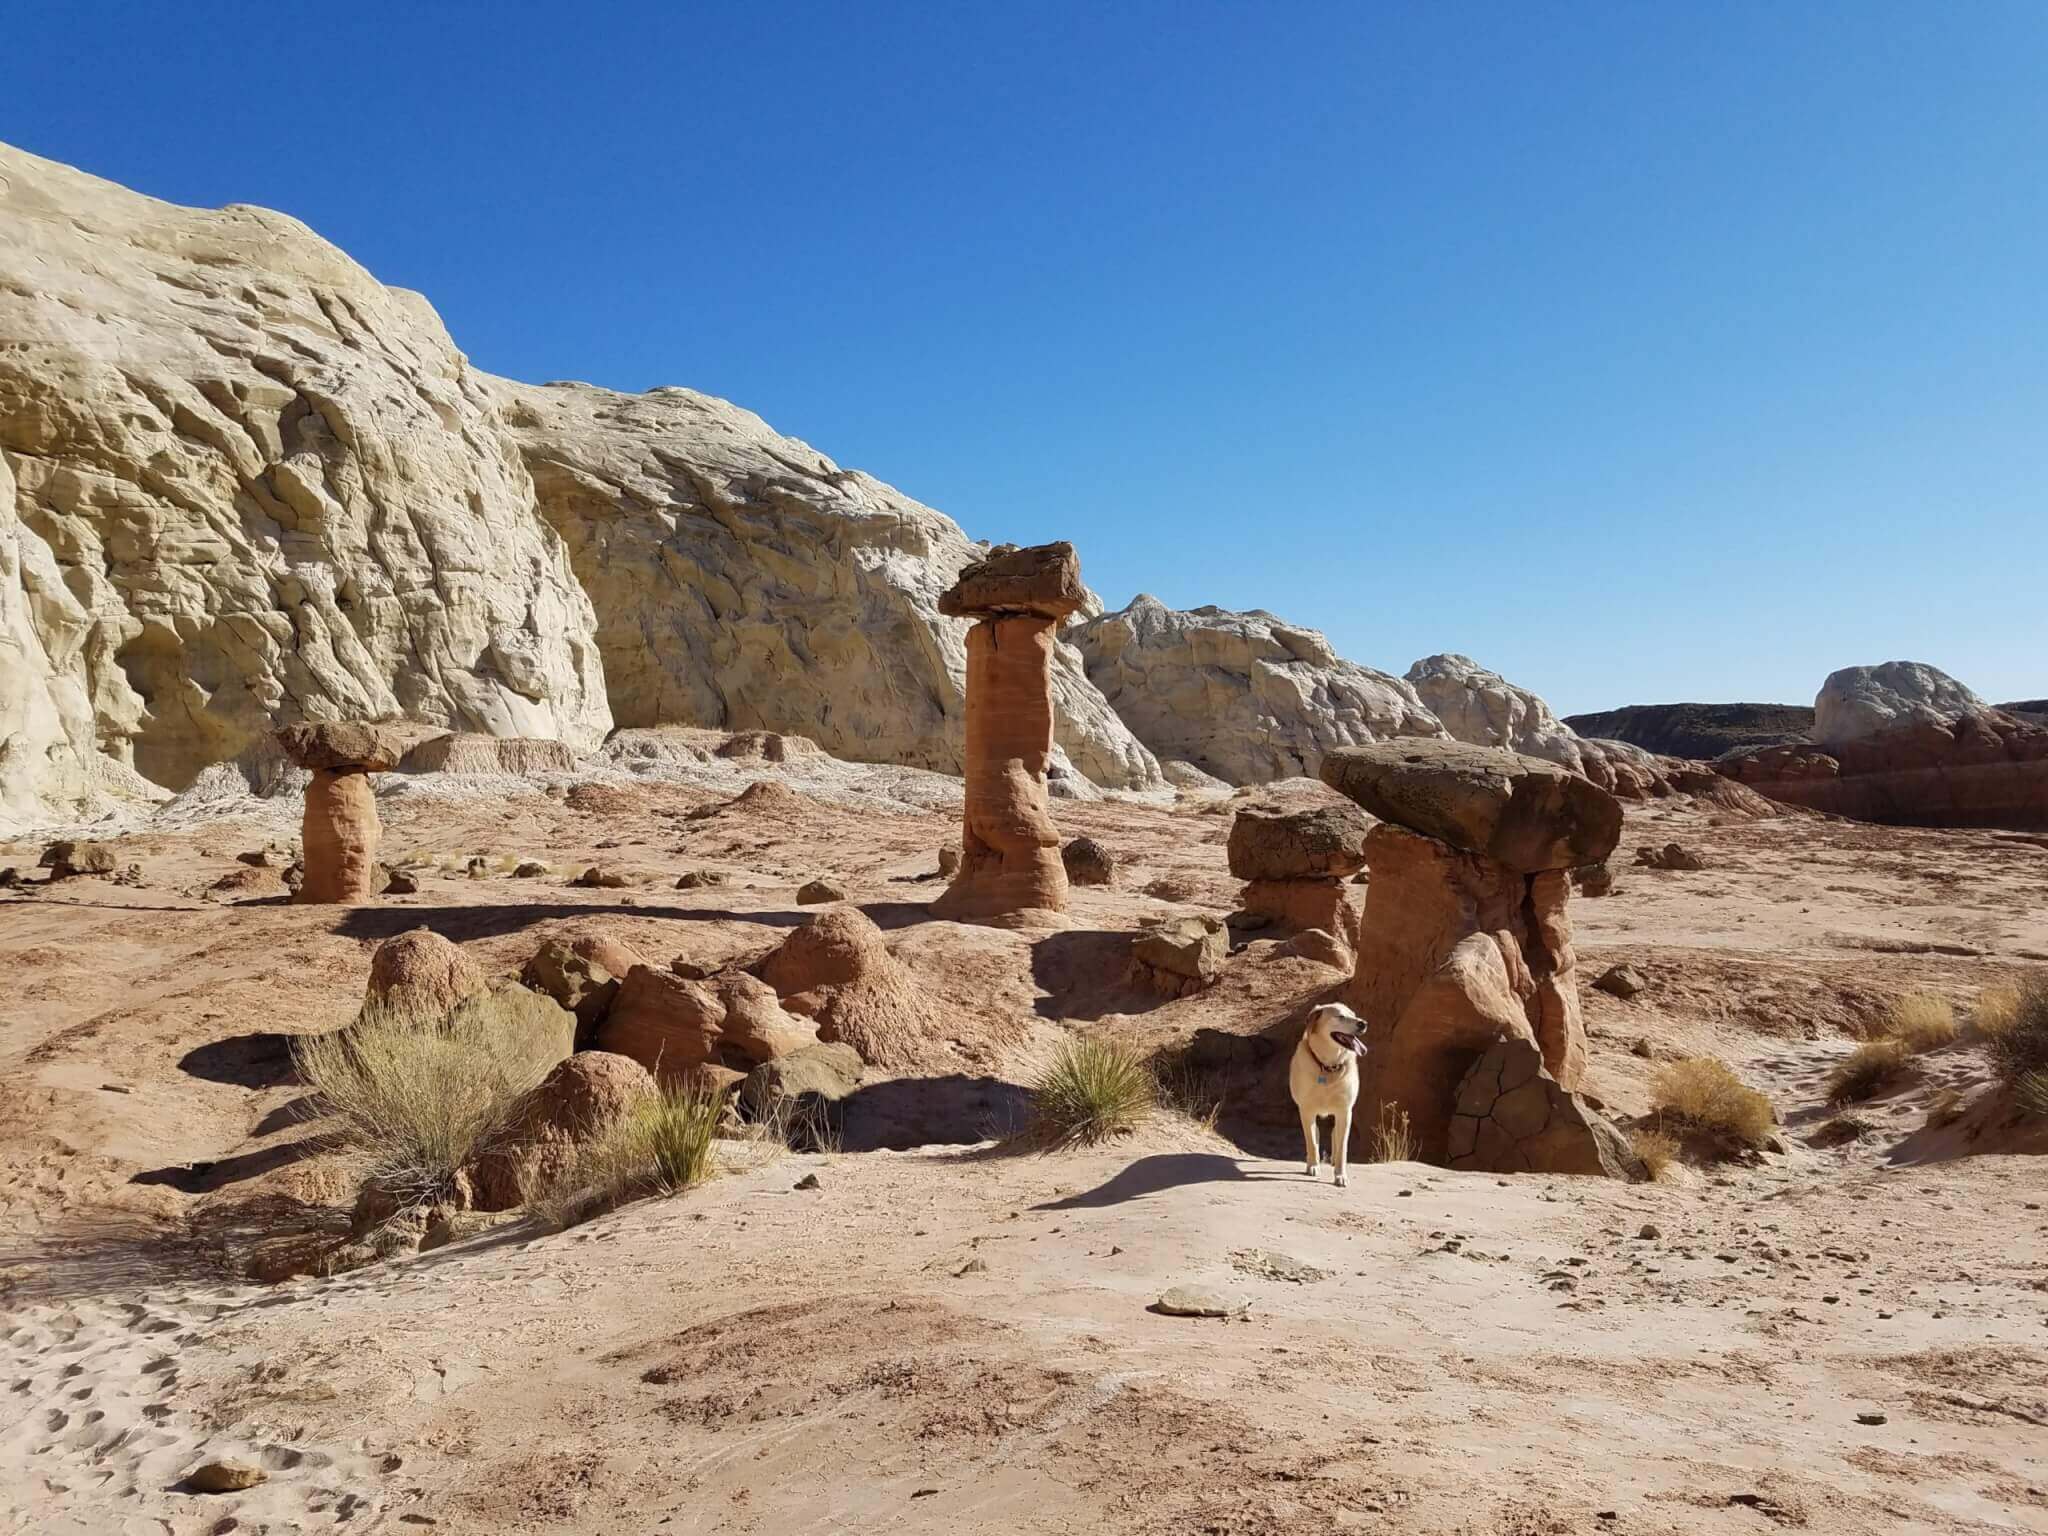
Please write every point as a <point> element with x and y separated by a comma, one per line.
<point>242,481</point>
<point>1466,939</point>
<point>1011,873</point>
<point>1245,697</point>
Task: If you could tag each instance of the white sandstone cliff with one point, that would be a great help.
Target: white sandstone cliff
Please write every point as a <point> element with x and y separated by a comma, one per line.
<point>1861,701</point>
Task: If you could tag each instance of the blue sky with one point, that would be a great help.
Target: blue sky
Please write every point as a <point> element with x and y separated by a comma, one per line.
<point>1642,351</point>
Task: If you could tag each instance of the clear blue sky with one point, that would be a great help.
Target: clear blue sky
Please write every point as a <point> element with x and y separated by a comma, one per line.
<point>1642,351</point>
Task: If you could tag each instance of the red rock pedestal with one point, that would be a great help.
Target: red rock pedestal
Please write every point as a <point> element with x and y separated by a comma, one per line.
<point>1466,941</point>
<point>1011,874</point>
<point>340,831</point>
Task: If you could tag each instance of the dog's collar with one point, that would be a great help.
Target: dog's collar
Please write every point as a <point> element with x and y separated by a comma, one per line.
<point>1343,1061</point>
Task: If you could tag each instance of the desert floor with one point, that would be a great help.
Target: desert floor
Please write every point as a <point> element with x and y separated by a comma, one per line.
<point>958,1335</point>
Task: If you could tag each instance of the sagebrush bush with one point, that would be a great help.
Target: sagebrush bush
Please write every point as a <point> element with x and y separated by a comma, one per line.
<point>1704,1091</point>
<point>1868,1070</point>
<point>1093,1090</point>
<point>418,1097</point>
<point>1996,1010</point>
<point>1391,1139</point>
<point>1657,1150</point>
<point>660,1147</point>
<point>2019,1053</point>
<point>1921,1021</point>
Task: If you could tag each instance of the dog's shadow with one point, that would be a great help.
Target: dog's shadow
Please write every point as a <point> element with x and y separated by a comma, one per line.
<point>1162,1171</point>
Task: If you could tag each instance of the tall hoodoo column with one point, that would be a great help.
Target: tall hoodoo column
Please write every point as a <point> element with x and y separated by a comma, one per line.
<point>1010,870</point>
<point>1466,941</point>
<point>340,831</point>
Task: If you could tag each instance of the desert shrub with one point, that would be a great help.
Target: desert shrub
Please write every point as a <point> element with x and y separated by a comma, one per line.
<point>1391,1139</point>
<point>1187,1090</point>
<point>1921,1021</point>
<point>2032,1092</point>
<point>662,1147</point>
<point>1093,1090</point>
<point>1868,1070</point>
<point>1658,1151</point>
<point>2020,1051</point>
<point>1996,1011</point>
<point>1703,1091</point>
<point>417,1098</point>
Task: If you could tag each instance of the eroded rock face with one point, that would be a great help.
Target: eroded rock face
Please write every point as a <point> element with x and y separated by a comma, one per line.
<point>837,970</point>
<point>244,480</point>
<point>1466,936</point>
<point>1484,709</point>
<point>671,1025</point>
<point>420,975</point>
<point>1245,697</point>
<point>340,831</point>
<point>1864,701</point>
<point>1322,842</point>
<point>573,1105</point>
<point>1981,770</point>
<point>1011,873</point>
<point>743,580</point>
<point>1180,955</point>
<point>1512,1116</point>
<point>469,752</point>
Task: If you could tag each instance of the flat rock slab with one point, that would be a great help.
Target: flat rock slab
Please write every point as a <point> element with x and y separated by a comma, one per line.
<point>1521,812</point>
<point>1267,1265</point>
<point>225,1477</point>
<point>1044,580</point>
<point>1201,1301</point>
<point>343,746</point>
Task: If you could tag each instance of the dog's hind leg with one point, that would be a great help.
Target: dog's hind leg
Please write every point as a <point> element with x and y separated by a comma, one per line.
<point>1340,1142</point>
<point>1308,1134</point>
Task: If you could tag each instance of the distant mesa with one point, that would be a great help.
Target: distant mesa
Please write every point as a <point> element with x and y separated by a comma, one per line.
<point>1700,731</point>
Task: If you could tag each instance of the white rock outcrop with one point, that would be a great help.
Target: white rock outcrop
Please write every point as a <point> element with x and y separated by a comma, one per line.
<point>744,581</point>
<point>246,482</point>
<point>1246,697</point>
<point>1486,710</point>
<point>1861,701</point>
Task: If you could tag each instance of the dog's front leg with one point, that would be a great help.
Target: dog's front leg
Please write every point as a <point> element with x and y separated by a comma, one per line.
<point>1340,1142</point>
<point>1308,1134</point>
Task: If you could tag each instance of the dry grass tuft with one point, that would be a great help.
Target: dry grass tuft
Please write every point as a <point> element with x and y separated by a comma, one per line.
<point>2019,1052</point>
<point>1996,1011</point>
<point>1868,1070</point>
<point>1704,1092</point>
<point>1921,1022</point>
<point>1946,1108</point>
<point>1092,1091</point>
<point>417,1098</point>
<point>661,1148</point>
<point>1391,1140</point>
<point>1186,1090</point>
<point>1658,1151</point>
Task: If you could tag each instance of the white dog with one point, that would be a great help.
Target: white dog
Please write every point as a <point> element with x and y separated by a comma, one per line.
<point>1323,1077</point>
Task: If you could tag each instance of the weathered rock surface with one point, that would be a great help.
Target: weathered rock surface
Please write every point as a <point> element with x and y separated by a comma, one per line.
<point>1862,701</point>
<point>582,974</point>
<point>742,579</point>
<point>803,1090</point>
<point>69,857</point>
<point>1988,769</point>
<point>1180,955</point>
<point>1245,697</point>
<point>420,975</point>
<point>1697,731</point>
<point>469,752</point>
<point>570,1107</point>
<point>1011,873</point>
<point>670,1025</point>
<point>1486,710</point>
<point>1088,862</point>
<point>837,969</point>
<point>1520,812</point>
<point>1270,843</point>
<point>345,746</point>
<point>1512,1116</point>
<point>246,481</point>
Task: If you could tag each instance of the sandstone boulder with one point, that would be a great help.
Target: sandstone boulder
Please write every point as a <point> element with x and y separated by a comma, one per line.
<point>420,975</point>
<point>344,746</point>
<point>68,858</point>
<point>1241,697</point>
<point>582,974</point>
<point>1519,812</point>
<point>818,892</point>
<point>803,1091</point>
<point>1320,842</point>
<point>1863,701</point>
<point>671,1025</point>
<point>1511,1116</point>
<point>1181,955</point>
<point>837,969</point>
<point>1088,862</point>
<point>573,1105</point>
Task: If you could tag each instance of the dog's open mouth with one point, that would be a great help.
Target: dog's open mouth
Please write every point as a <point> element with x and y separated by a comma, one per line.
<point>1348,1041</point>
